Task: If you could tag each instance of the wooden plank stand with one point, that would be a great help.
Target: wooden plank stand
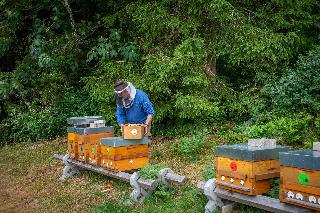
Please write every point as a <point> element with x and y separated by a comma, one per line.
<point>226,199</point>
<point>142,188</point>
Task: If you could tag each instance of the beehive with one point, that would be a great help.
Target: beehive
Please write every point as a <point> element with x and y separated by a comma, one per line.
<point>84,137</point>
<point>119,154</point>
<point>248,168</point>
<point>133,131</point>
<point>300,178</point>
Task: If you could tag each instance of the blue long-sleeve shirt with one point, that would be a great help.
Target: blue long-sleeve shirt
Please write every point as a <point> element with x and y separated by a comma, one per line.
<point>138,112</point>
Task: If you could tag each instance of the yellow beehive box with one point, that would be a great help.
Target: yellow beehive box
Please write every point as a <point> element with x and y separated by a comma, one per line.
<point>300,178</point>
<point>118,154</point>
<point>82,140</point>
<point>247,169</point>
<point>252,178</point>
<point>124,152</point>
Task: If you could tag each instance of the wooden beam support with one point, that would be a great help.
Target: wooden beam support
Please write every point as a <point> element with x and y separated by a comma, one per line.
<point>258,201</point>
<point>148,184</point>
<point>169,176</point>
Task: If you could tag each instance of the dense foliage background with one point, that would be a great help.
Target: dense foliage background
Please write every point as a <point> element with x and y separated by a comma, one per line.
<point>238,69</point>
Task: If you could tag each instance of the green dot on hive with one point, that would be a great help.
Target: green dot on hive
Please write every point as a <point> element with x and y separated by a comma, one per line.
<point>303,178</point>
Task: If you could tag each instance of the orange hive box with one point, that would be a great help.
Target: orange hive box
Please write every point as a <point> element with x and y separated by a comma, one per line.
<point>118,154</point>
<point>300,178</point>
<point>133,131</point>
<point>83,140</point>
<point>247,169</point>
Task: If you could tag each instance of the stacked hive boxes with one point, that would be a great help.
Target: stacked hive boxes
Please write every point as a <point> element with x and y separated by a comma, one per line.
<point>84,138</point>
<point>248,168</point>
<point>300,177</point>
<point>119,154</point>
<point>125,153</point>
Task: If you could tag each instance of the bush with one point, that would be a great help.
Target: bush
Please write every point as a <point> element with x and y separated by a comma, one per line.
<point>5,130</point>
<point>176,85</point>
<point>292,129</point>
<point>189,146</point>
<point>37,123</point>
<point>233,136</point>
<point>299,88</point>
<point>274,192</point>
<point>151,171</point>
<point>178,52</point>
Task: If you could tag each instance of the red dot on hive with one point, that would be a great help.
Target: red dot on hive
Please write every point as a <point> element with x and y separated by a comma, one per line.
<point>233,166</point>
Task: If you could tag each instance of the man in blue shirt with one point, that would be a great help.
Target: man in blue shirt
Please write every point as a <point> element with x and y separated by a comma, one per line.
<point>133,105</point>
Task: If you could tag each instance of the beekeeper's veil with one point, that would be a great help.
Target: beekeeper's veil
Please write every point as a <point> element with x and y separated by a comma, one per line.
<point>125,93</point>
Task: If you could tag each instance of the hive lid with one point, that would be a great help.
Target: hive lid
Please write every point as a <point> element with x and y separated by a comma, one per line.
<point>250,153</point>
<point>85,120</point>
<point>88,130</point>
<point>304,159</point>
<point>119,141</point>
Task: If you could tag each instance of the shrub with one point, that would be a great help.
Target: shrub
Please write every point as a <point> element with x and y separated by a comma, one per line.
<point>36,125</point>
<point>231,134</point>
<point>151,171</point>
<point>291,129</point>
<point>209,171</point>
<point>190,146</point>
<point>299,88</point>
<point>39,123</point>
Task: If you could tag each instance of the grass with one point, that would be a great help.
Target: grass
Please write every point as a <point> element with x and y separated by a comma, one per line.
<point>183,200</point>
<point>30,182</point>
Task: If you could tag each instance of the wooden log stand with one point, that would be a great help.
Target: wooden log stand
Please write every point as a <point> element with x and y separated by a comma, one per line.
<point>142,188</point>
<point>218,197</point>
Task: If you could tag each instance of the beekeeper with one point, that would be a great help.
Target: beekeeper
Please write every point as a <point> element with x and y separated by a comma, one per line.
<point>133,106</point>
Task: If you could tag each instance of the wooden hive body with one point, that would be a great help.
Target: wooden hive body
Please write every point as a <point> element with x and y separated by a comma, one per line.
<point>252,178</point>
<point>118,154</point>
<point>83,143</point>
<point>300,178</point>
<point>245,170</point>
